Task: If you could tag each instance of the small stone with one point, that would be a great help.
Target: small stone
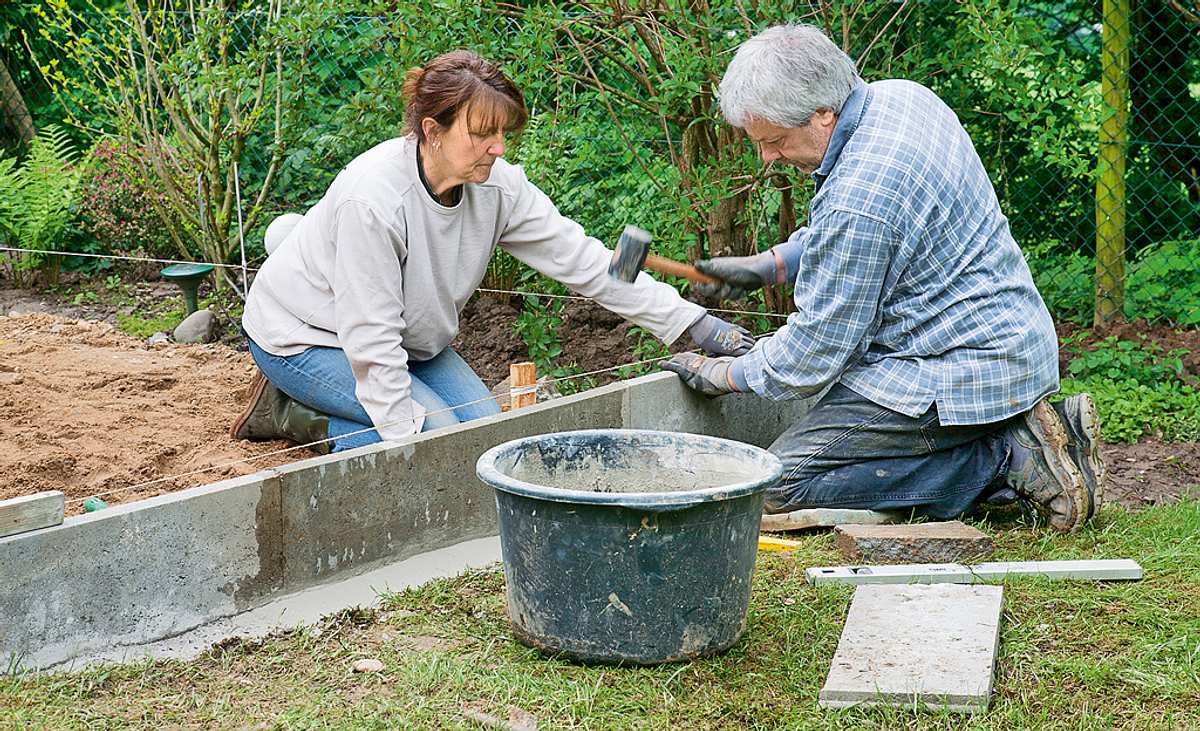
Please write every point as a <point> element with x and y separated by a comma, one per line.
<point>157,338</point>
<point>198,327</point>
<point>947,542</point>
<point>368,665</point>
<point>11,379</point>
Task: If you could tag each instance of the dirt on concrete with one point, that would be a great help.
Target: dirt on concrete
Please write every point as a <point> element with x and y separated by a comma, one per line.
<point>89,410</point>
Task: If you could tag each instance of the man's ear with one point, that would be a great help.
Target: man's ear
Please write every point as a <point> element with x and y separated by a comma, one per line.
<point>824,117</point>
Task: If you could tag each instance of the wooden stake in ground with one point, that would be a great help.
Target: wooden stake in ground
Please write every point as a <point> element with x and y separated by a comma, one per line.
<point>522,380</point>
<point>30,512</point>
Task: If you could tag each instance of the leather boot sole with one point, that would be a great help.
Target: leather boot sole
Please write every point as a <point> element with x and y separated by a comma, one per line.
<point>1082,422</point>
<point>1051,436</point>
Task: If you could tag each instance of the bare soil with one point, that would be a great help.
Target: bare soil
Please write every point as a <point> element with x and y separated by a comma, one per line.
<point>87,409</point>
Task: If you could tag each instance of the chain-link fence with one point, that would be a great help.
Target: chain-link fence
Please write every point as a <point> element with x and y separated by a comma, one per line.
<point>1087,118</point>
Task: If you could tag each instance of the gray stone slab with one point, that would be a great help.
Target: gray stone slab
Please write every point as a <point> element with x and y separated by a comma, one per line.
<point>827,518</point>
<point>941,542</point>
<point>147,570</point>
<point>661,401</point>
<point>933,645</point>
<point>138,572</point>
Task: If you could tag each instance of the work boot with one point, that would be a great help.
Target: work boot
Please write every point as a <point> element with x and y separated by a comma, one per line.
<point>1041,471</point>
<point>1078,414</point>
<point>272,414</point>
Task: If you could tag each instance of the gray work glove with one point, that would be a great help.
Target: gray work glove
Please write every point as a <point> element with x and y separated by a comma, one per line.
<point>717,337</point>
<point>739,274</point>
<point>709,376</point>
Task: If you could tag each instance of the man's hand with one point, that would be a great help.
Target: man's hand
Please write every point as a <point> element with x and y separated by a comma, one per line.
<point>709,376</point>
<point>717,337</point>
<point>740,274</point>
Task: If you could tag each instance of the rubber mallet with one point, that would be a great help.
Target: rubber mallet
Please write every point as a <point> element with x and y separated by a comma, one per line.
<point>633,254</point>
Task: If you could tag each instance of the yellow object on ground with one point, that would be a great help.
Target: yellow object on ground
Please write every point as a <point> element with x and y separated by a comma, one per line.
<point>770,543</point>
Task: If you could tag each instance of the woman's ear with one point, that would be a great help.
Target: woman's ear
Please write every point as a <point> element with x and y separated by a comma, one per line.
<point>432,131</point>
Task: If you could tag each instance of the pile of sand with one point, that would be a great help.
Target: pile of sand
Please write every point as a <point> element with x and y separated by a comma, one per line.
<point>87,409</point>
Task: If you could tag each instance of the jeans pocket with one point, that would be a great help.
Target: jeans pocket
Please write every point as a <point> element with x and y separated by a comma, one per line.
<point>929,427</point>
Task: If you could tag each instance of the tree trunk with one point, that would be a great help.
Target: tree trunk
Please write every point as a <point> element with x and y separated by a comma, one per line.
<point>13,109</point>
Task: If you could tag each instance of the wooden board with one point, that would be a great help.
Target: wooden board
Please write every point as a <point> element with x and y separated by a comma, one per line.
<point>30,512</point>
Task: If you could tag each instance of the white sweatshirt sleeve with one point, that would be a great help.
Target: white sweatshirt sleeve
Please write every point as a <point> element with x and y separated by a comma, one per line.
<point>537,234</point>
<point>369,311</point>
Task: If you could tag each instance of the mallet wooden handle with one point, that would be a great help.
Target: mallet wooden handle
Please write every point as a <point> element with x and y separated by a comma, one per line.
<point>663,265</point>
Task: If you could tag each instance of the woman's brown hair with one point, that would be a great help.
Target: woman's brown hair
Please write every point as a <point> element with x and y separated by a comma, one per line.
<point>460,80</point>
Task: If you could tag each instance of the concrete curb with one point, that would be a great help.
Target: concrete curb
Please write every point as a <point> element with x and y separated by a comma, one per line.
<point>148,570</point>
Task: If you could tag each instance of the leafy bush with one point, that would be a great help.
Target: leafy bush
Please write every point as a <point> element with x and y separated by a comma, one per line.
<point>1130,410</point>
<point>35,201</point>
<point>113,205</point>
<point>1138,390</point>
<point>1126,361</point>
<point>1161,282</point>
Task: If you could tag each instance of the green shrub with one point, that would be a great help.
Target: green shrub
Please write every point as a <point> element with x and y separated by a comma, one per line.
<point>1130,410</point>
<point>114,204</point>
<point>1139,390</point>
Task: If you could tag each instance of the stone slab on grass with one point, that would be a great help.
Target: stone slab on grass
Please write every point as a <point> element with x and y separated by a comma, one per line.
<point>933,645</point>
<point>826,518</point>
<point>908,543</point>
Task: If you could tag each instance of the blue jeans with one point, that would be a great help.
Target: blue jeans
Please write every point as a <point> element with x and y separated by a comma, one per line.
<point>321,378</point>
<point>848,452</point>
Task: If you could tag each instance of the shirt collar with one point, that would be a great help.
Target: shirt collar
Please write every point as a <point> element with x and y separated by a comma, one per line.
<point>849,117</point>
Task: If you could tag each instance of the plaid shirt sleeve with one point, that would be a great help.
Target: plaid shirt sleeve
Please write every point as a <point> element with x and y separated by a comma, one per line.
<point>844,260</point>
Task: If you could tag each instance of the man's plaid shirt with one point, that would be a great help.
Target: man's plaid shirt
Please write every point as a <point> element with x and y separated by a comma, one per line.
<point>909,286</point>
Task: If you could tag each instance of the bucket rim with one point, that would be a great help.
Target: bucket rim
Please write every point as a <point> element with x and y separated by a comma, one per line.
<point>485,469</point>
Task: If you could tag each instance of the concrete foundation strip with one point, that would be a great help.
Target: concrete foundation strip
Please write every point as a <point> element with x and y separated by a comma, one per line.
<point>160,567</point>
<point>1123,569</point>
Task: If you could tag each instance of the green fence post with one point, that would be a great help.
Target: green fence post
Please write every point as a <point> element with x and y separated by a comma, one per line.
<point>1110,168</point>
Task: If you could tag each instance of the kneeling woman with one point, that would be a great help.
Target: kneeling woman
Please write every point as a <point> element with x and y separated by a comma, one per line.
<point>350,318</point>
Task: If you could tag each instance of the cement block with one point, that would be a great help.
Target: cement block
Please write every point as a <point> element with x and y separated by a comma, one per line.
<point>907,543</point>
<point>661,401</point>
<point>348,511</point>
<point>138,572</point>
<point>142,571</point>
<point>933,645</point>
<point>826,518</point>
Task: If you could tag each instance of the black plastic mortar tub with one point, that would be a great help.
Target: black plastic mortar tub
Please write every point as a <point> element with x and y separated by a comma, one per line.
<point>628,546</point>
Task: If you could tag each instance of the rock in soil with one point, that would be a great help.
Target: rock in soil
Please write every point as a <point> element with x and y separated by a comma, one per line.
<point>198,327</point>
<point>947,542</point>
<point>368,665</point>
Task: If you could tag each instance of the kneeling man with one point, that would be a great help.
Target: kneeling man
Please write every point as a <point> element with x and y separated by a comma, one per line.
<point>914,307</point>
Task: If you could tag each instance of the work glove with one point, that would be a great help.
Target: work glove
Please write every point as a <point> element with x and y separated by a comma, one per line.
<point>717,337</point>
<point>740,274</point>
<point>709,376</point>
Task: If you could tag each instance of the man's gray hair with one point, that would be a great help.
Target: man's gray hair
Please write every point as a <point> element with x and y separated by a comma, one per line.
<point>784,75</point>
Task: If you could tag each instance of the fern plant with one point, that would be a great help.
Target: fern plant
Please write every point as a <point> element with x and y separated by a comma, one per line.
<point>35,201</point>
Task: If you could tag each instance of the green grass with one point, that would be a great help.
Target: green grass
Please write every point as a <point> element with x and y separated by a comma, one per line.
<point>1075,655</point>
